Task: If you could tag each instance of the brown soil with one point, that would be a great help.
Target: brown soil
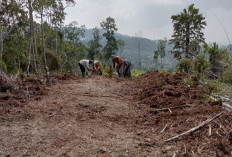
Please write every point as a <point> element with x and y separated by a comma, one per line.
<point>98,116</point>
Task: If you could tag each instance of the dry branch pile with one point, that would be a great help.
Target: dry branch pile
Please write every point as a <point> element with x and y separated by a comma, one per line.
<point>183,115</point>
<point>16,93</point>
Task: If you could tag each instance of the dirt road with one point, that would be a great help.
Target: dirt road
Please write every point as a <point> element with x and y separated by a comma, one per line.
<point>86,117</point>
<point>99,116</point>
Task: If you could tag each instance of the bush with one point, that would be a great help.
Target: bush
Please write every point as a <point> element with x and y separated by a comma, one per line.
<point>3,65</point>
<point>185,65</point>
<point>53,61</point>
<point>200,64</point>
<point>108,70</point>
<point>189,80</point>
<point>163,71</point>
<point>136,72</point>
<point>227,76</point>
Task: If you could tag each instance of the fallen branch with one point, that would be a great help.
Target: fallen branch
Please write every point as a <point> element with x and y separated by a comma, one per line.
<point>210,130</point>
<point>169,109</point>
<point>164,128</point>
<point>194,129</point>
<point>227,106</point>
<point>91,95</point>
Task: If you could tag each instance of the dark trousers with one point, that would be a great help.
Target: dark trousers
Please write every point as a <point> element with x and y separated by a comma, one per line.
<point>82,70</point>
<point>127,71</point>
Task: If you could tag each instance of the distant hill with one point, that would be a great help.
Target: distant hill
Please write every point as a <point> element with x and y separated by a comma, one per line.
<point>131,50</point>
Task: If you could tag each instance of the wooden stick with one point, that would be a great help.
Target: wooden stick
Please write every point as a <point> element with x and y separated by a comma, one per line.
<point>169,109</point>
<point>210,130</point>
<point>164,128</point>
<point>91,95</point>
<point>194,129</point>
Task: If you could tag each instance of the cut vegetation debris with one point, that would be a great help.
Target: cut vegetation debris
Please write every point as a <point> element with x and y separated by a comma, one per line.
<point>157,114</point>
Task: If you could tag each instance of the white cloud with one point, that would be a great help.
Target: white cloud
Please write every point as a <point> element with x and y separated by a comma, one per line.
<point>152,17</point>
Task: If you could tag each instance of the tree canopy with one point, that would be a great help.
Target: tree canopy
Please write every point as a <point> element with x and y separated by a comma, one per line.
<point>188,32</point>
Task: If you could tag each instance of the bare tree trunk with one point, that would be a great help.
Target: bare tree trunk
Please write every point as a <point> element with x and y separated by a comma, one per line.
<point>1,42</point>
<point>187,41</point>
<point>138,35</point>
<point>56,39</point>
<point>29,60</point>
<point>1,49</point>
<point>44,48</point>
<point>161,62</point>
<point>33,38</point>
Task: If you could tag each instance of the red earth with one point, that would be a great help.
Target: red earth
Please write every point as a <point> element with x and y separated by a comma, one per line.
<point>99,116</point>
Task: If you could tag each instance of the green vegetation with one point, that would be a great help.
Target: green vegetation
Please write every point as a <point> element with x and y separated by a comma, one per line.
<point>189,80</point>
<point>163,71</point>
<point>188,32</point>
<point>111,46</point>
<point>136,72</point>
<point>185,65</point>
<point>160,52</point>
<point>34,40</point>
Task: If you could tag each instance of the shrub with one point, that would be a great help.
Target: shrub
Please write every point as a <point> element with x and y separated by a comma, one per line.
<point>200,64</point>
<point>163,71</point>
<point>53,61</point>
<point>136,72</point>
<point>185,65</point>
<point>189,80</point>
<point>227,74</point>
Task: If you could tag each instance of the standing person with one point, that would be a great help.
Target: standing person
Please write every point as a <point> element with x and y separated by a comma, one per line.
<point>120,62</point>
<point>127,68</point>
<point>96,67</point>
<point>85,65</point>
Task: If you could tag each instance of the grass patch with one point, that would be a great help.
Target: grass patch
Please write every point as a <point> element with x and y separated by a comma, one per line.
<point>189,80</point>
<point>136,72</point>
<point>219,90</point>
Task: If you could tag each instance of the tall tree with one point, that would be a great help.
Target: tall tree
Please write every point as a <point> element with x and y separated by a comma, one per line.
<point>138,36</point>
<point>161,51</point>
<point>94,45</point>
<point>33,45</point>
<point>74,50</point>
<point>188,32</point>
<point>12,17</point>
<point>121,45</point>
<point>111,46</point>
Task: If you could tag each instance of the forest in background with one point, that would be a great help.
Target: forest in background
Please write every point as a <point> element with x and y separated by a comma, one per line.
<point>34,39</point>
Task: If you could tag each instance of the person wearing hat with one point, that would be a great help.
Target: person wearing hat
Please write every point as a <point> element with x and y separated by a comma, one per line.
<point>85,65</point>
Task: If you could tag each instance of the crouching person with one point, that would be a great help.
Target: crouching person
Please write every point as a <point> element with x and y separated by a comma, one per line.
<point>96,67</point>
<point>119,61</point>
<point>127,68</point>
<point>85,66</point>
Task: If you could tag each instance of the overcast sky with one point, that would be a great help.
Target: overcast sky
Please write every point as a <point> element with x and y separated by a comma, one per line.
<point>153,17</point>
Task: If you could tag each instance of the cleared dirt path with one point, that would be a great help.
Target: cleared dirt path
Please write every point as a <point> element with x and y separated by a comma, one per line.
<point>87,117</point>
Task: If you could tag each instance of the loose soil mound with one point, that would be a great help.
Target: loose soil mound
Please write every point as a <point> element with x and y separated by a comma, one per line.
<point>101,116</point>
<point>17,93</point>
<point>167,95</point>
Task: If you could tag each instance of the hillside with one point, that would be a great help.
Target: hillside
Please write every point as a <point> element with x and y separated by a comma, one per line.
<point>131,50</point>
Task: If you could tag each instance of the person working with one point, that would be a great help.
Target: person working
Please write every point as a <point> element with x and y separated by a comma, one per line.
<point>96,67</point>
<point>119,61</point>
<point>85,65</point>
<point>127,68</point>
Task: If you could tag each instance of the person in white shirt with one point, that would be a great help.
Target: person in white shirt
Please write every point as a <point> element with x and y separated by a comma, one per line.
<point>85,64</point>
<point>96,67</point>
